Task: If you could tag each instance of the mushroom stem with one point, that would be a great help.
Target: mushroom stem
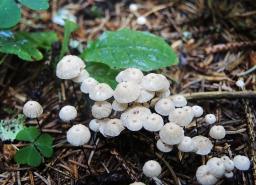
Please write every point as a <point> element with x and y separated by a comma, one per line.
<point>196,127</point>
<point>38,123</point>
<point>89,169</point>
<point>75,95</point>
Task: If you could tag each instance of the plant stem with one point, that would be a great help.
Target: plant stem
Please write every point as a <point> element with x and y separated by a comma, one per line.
<point>39,126</point>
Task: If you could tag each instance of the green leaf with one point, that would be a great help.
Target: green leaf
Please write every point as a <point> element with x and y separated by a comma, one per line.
<point>69,28</point>
<point>35,4</point>
<point>28,134</point>
<point>26,45</point>
<point>28,155</point>
<point>102,73</point>
<point>126,48</point>
<point>9,13</point>
<point>44,145</point>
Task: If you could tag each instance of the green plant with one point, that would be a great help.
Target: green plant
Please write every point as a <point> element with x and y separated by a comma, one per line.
<point>40,145</point>
<point>10,12</point>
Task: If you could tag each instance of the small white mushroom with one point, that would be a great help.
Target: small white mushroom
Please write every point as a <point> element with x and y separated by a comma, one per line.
<point>228,163</point>
<point>32,109</point>
<point>134,123</point>
<point>78,135</point>
<point>153,122</point>
<point>130,74</point>
<point>145,96</point>
<point>204,176</point>
<point>240,83</point>
<point>133,7</point>
<point>154,82</point>
<point>163,147</point>
<point>186,145</point>
<point>182,116</point>
<point>229,174</point>
<point>164,106</point>
<point>141,20</point>
<point>242,162</point>
<point>210,119</point>
<point>101,92</point>
<point>111,127</point>
<point>203,145</point>
<point>216,167</point>
<point>152,168</point>
<point>171,134</point>
<point>101,109</point>
<point>116,106</point>
<point>127,92</point>
<point>179,100</point>
<point>88,84</point>
<point>217,132</point>
<point>69,67</point>
<point>68,113</point>
<point>81,77</point>
<point>94,125</point>
<point>197,110</point>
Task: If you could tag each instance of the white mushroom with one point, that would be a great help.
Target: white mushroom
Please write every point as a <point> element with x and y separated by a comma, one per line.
<point>210,119</point>
<point>81,77</point>
<point>116,106</point>
<point>94,125</point>
<point>101,92</point>
<point>240,83</point>
<point>242,162</point>
<point>228,163</point>
<point>88,84</point>
<point>203,145</point>
<point>32,109</point>
<point>204,176</point>
<point>164,106</point>
<point>186,145</point>
<point>153,122</point>
<point>154,82</point>
<point>111,127</point>
<point>163,147</point>
<point>182,116</point>
<point>101,109</point>
<point>127,92</point>
<point>68,113</point>
<point>152,168</point>
<point>197,110</point>
<point>171,134</point>
<point>229,174</point>
<point>141,20</point>
<point>134,123</point>
<point>78,135</point>
<point>145,96</point>
<point>179,100</point>
<point>163,94</point>
<point>130,74</point>
<point>217,132</point>
<point>69,67</point>
<point>216,167</point>
<point>133,8</point>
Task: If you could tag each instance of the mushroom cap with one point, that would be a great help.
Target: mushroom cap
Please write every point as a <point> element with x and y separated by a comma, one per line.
<point>179,100</point>
<point>240,83</point>
<point>145,96</point>
<point>94,125</point>
<point>164,93</point>
<point>111,128</point>
<point>101,92</point>
<point>133,8</point>
<point>164,106</point>
<point>137,111</point>
<point>197,110</point>
<point>228,163</point>
<point>101,109</point>
<point>137,183</point>
<point>153,122</point>
<point>182,116</point>
<point>116,106</point>
<point>242,162</point>
<point>163,147</point>
<point>130,74</point>
<point>32,109</point>
<point>152,168</point>
<point>141,20</point>
<point>204,176</point>
<point>134,123</point>
<point>216,167</point>
<point>186,145</point>
<point>217,132</point>
<point>88,84</point>
<point>68,113</point>
<point>127,92</point>
<point>203,145</point>
<point>229,174</point>
<point>78,135</point>
<point>81,77</point>
<point>69,67</point>
<point>171,134</point>
<point>154,82</point>
<point>210,118</point>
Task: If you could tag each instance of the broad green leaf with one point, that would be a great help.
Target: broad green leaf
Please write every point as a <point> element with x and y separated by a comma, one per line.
<point>10,128</point>
<point>69,28</point>
<point>26,45</point>
<point>44,145</point>
<point>102,73</point>
<point>28,155</point>
<point>126,48</point>
<point>28,134</point>
<point>35,4</point>
<point>9,13</point>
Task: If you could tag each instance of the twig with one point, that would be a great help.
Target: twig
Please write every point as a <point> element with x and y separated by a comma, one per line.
<point>249,71</point>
